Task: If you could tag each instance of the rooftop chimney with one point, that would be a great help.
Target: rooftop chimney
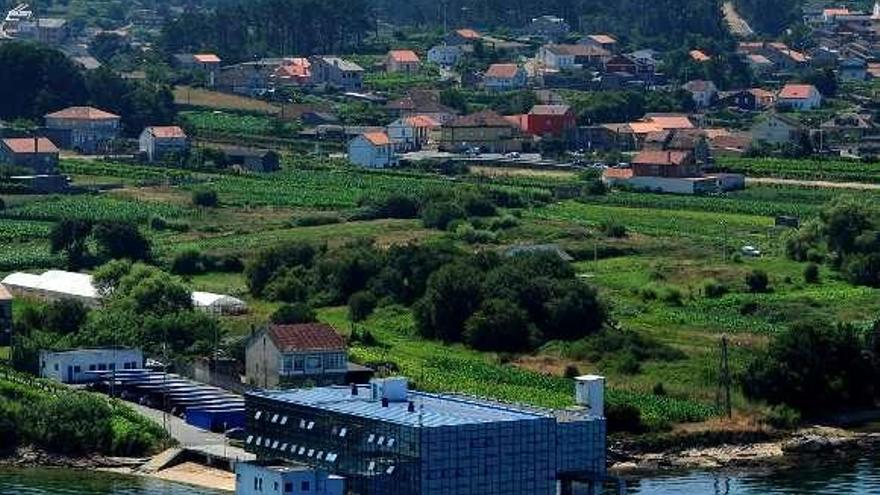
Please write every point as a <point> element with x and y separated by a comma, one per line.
<point>590,393</point>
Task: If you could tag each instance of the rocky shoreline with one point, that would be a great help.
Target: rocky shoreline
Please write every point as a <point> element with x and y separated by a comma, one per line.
<point>29,457</point>
<point>805,442</point>
<point>630,458</point>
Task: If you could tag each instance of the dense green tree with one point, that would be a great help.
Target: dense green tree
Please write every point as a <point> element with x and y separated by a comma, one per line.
<point>499,325</point>
<point>290,314</point>
<point>36,80</point>
<point>816,368</point>
<point>121,240</point>
<point>361,305</point>
<point>452,295</point>
<point>260,270</point>
<point>70,238</point>
<point>65,316</point>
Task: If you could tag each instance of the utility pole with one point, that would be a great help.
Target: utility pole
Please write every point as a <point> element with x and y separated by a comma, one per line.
<point>724,381</point>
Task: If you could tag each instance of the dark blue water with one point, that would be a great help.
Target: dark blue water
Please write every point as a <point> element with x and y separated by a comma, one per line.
<point>70,482</point>
<point>831,476</point>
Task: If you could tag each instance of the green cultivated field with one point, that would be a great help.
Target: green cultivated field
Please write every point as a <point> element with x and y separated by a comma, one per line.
<point>804,169</point>
<point>652,279</point>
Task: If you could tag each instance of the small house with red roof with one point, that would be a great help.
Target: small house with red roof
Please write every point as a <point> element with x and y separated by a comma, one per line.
<point>159,142</point>
<point>402,61</point>
<point>290,355</point>
<point>85,129</point>
<point>36,153</point>
<point>372,150</point>
<point>557,121</point>
<point>799,97</point>
<point>604,41</point>
<point>463,37</point>
<point>505,77</point>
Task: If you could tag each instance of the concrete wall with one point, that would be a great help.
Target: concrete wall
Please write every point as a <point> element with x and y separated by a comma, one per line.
<point>262,362</point>
<point>254,479</point>
<point>74,366</point>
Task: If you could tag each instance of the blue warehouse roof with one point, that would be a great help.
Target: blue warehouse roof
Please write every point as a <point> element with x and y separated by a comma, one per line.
<point>432,410</point>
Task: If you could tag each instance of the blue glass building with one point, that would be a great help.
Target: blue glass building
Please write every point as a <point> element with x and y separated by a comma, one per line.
<point>385,439</point>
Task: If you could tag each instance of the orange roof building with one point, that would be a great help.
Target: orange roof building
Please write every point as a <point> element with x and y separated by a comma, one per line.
<point>38,154</point>
<point>82,113</point>
<point>405,61</point>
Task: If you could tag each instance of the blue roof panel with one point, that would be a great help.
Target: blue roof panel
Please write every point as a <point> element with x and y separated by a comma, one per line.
<point>432,410</point>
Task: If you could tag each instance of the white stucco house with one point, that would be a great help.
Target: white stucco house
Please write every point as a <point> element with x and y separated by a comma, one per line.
<point>412,133</point>
<point>799,97</point>
<point>505,77</point>
<point>445,55</point>
<point>372,150</point>
<point>702,92</point>
<point>157,142</point>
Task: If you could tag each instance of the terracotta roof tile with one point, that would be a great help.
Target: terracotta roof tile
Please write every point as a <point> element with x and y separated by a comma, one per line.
<point>797,91</point>
<point>206,58</point>
<point>468,34</point>
<point>502,71</point>
<point>604,39</point>
<point>486,118</point>
<point>26,145</point>
<point>167,132</point>
<point>377,138</point>
<point>672,158</point>
<point>82,113</point>
<point>404,56</point>
<point>306,337</point>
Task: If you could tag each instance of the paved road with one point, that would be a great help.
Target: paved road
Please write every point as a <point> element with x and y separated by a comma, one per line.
<point>193,438</point>
<point>814,183</point>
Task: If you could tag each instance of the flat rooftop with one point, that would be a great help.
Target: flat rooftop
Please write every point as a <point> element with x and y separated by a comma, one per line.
<point>432,410</point>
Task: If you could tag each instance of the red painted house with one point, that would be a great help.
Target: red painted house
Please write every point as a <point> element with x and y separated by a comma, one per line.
<point>550,120</point>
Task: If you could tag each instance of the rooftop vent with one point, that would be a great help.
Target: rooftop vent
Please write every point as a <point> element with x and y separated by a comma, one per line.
<point>393,389</point>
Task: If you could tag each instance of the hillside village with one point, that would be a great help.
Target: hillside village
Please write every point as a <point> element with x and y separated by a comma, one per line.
<point>376,226</point>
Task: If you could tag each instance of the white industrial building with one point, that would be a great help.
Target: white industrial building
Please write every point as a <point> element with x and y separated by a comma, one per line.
<point>56,284</point>
<point>257,479</point>
<point>82,365</point>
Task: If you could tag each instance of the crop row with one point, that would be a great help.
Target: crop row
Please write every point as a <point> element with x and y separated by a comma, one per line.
<point>29,255</point>
<point>15,230</point>
<point>804,169</point>
<point>234,123</point>
<point>438,368</point>
<point>95,208</point>
<point>768,201</point>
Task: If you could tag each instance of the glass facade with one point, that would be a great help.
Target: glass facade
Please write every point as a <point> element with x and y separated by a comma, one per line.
<point>377,456</point>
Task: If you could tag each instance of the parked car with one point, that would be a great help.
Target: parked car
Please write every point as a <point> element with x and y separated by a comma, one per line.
<point>751,251</point>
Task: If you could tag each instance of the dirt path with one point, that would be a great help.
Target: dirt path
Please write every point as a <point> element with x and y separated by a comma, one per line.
<point>814,183</point>
<point>738,26</point>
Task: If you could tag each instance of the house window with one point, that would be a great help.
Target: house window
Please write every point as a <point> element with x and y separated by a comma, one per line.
<point>56,366</point>
<point>287,365</point>
<point>77,369</point>
<point>298,363</point>
<point>288,488</point>
<point>305,486</point>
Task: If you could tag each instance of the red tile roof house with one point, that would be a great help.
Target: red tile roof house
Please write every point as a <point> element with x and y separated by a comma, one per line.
<point>402,61</point>
<point>412,133</point>
<point>557,121</point>
<point>85,129</point>
<point>799,97</point>
<point>158,142</point>
<point>372,150</point>
<point>38,154</point>
<point>671,171</point>
<point>293,355</point>
<point>505,77</point>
